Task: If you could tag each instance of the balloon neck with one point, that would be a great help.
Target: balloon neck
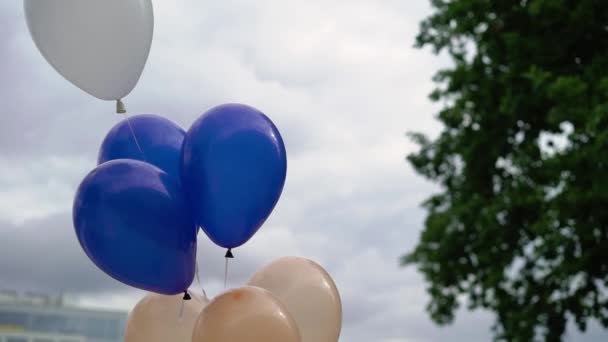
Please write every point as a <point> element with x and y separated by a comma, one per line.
<point>187,296</point>
<point>229,254</point>
<point>120,107</point>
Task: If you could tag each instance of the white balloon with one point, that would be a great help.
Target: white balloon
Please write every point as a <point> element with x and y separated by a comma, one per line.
<point>101,46</point>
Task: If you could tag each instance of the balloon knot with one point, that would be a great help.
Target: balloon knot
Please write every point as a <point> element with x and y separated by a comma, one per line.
<point>120,107</point>
<point>229,254</point>
<point>187,296</point>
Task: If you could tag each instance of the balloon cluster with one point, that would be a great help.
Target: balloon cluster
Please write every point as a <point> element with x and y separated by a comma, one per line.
<point>137,214</point>
<point>290,300</point>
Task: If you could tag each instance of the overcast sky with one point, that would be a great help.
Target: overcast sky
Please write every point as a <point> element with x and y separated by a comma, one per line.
<point>343,84</point>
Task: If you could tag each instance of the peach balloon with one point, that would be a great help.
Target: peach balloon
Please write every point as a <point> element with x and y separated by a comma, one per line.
<point>246,314</point>
<point>159,318</point>
<point>308,292</point>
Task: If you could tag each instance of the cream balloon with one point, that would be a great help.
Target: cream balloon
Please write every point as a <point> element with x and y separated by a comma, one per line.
<point>308,292</point>
<point>246,314</point>
<point>159,318</point>
<point>101,46</point>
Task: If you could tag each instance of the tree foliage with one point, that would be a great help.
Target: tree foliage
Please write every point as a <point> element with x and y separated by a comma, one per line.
<point>520,226</point>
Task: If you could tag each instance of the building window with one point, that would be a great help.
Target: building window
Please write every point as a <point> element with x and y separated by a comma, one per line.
<point>74,326</point>
<point>95,328</point>
<point>48,323</point>
<point>113,329</point>
<point>13,319</point>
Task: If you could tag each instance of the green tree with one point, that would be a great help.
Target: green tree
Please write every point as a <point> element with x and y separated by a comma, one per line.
<point>520,226</point>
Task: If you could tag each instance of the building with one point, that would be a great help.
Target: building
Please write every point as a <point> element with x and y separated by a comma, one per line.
<point>6,336</point>
<point>40,318</point>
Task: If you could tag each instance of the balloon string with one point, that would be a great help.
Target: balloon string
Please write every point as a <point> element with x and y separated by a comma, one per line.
<point>226,273</point>
<point>198,280</point>
<point>135,137</point>
<point>181,310</point>
<point>228,255</point>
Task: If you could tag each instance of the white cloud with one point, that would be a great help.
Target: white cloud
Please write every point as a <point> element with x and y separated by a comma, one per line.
<point>37,188</point>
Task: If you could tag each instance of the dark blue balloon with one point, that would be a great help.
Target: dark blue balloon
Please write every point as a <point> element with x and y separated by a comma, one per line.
<point>233,170</point>
<point>133,221</point>
<point>159,138</point>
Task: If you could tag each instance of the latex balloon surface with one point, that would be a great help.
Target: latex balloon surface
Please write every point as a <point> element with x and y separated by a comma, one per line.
<point>233,169</point>
<point>246,314</point>
<point>160,318</point>
<point>101,46</point>
<point>133,222</point>
<point>159,139</point>
<point>308,292</point>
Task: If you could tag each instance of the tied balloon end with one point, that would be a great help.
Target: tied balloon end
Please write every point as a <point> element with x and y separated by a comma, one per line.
<point>120,107</point>
<point>181,305</point>
<point>229,254</point>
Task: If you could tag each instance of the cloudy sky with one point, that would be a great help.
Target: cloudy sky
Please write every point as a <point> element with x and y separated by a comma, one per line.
<point>343,84</point>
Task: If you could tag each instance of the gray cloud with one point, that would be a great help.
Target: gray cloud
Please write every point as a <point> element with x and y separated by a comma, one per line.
<point>44,255</point>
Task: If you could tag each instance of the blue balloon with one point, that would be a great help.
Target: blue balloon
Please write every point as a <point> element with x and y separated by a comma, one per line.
<point>134,223</point>
<point>233,170</point>
<point>160,141</point>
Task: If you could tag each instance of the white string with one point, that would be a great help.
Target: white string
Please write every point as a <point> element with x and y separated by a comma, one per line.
<point>226,273</point>
<point>135,137</point>
<point>181,310</point>
<point>198,279</point>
